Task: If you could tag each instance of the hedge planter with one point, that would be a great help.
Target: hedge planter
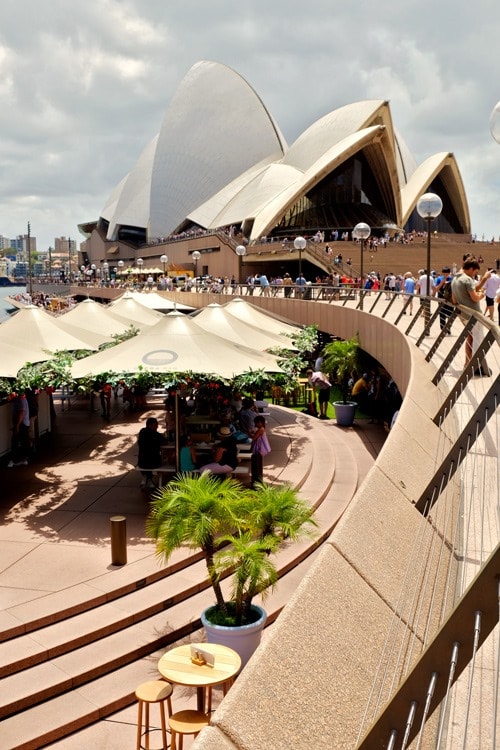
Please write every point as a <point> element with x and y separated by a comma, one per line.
<point>344,413</point>
<point>243,639</point>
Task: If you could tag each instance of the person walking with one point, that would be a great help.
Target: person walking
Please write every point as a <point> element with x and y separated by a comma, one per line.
<point>441,283</point>
<point>300,284</point>
<point>491,286</point>
<point>409,289</point>
<point>20,444</point>
<point>425,288</point>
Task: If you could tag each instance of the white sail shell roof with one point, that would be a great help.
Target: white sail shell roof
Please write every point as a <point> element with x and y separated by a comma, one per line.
<point>220,159</point>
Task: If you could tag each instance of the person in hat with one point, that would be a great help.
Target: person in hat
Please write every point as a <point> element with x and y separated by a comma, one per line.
<point>225,459</point>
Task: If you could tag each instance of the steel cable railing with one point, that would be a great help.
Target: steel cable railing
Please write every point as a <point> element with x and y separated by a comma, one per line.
<point>468,532</point>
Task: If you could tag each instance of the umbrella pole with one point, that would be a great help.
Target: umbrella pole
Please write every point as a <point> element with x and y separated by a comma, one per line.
<point>177,431</point>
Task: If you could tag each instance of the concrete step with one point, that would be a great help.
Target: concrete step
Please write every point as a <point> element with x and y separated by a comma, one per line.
<point>84,704</point>
<point>61,669</point>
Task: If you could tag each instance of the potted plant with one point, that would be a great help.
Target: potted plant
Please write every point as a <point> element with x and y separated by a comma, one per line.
<point>254,381</point>
<point>341,358</point>
<point>238,531</point>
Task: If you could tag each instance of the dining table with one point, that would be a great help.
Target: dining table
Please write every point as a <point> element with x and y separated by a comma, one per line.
<point>177,666</point>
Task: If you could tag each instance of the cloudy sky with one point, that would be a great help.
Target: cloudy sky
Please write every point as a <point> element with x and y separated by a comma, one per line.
<point>85,83</point>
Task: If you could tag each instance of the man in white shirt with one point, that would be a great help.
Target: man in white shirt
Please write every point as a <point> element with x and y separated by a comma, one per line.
<point>425,288</point>
<point>491,287</point>
<point>321,385</point>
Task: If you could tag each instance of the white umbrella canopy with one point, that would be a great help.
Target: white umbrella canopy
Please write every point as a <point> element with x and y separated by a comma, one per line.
<point>155,301</point>
<point>39,334</point>
<point>14,357</point>
<point>176,344</point>
<point>216,319</point>
<point>128,309</point>
<point>254,316</point>
<point>93,339</point>
<point>96,317</point>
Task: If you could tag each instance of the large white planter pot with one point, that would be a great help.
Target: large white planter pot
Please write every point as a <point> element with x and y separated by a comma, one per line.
<point>243,639</point>
<point>344,413</point>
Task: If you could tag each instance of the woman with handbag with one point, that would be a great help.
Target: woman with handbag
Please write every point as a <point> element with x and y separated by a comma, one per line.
<point>260,448</point>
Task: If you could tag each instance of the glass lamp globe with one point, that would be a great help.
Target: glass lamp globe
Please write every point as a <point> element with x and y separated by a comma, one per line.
<point>196,255</point>
<point>241,250</point>
<point>429,205</point>
<point>495,122</point>
<point>164,259</point>
<point>299,243</point>
<point>361,231</point>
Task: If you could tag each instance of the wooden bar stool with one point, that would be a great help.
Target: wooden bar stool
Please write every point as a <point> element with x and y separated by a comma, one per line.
<point>156,691</point>
<point>186,722</point>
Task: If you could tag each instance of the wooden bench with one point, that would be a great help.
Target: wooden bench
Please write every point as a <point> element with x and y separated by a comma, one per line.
<point>244,455</point>
<point>239,472</point>
<point>160,470</point>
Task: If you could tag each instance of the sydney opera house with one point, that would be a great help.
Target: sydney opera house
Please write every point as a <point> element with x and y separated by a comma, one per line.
<point>220,160</point>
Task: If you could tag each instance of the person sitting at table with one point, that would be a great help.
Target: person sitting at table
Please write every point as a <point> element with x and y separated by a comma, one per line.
<point>240,437</point>
<point>225,455</point>
<point>187,454</point>
<point>149,441</point>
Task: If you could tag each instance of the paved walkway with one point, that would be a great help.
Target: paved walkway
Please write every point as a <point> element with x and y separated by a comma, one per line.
<point>55,529</point>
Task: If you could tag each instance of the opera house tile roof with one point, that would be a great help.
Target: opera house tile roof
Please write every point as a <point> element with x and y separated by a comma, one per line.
<point>220,159</point>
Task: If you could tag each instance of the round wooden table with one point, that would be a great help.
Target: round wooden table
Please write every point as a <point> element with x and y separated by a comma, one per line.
<point>176,667</point>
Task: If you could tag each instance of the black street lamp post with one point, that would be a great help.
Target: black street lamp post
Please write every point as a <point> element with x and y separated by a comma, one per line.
<point>361,232</point>
<point>299,244</point>
<point>429,206</point>
<point>241,251</point>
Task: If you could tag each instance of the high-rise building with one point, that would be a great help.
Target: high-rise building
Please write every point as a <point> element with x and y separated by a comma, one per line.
<point>64,245</point>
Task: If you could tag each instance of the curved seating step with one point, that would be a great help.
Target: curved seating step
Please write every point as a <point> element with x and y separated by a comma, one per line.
<point>135,607</point>
<point>118,582</point>
<point>85,704</point>
<point>65,660</point>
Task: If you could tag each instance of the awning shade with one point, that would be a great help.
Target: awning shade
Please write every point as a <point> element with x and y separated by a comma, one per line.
<point>176,344</point>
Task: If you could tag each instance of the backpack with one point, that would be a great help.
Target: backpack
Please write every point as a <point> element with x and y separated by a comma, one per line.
<point>446,292</point>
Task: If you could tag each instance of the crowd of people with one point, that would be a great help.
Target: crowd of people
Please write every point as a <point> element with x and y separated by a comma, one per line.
<point>374,392</point>
<point>241,424</point>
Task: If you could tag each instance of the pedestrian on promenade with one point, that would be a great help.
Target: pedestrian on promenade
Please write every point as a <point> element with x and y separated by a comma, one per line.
<point>425,288</point>
<point>20,443</point>
<point>409,289</point>
<point>491,286</point>
<point>469,293</point>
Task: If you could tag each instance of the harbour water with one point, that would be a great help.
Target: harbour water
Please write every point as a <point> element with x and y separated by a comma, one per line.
<point>5,306</point>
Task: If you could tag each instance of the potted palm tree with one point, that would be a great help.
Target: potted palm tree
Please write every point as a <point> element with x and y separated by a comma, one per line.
<point>238,530</point>
<point>341,358</point>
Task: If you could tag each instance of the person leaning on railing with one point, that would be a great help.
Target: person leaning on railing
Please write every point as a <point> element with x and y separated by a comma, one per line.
<point>469,293</point>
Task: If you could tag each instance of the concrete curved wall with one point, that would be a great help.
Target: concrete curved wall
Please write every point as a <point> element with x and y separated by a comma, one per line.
<point>309,683</point>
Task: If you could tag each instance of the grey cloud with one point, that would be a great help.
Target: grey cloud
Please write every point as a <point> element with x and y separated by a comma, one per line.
<point>84,86</point>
